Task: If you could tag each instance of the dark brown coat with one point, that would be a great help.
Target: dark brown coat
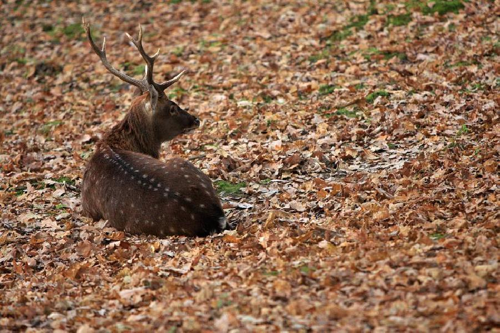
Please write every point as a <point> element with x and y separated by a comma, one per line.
<point>126,184</point>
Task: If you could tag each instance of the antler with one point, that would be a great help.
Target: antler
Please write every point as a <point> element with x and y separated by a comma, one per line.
<point>150,61</point>
<point>141,84</point>
<point>146,84</point>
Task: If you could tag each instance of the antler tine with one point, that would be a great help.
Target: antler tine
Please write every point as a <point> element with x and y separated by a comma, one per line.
<point>150,60</point>
<point>168,83</point>
<point>102,55</point>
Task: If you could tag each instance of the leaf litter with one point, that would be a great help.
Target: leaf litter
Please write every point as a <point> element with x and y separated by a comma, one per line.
<point>354,144</point>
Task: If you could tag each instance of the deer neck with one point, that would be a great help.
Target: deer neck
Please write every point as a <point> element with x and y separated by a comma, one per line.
<point>135,132</point>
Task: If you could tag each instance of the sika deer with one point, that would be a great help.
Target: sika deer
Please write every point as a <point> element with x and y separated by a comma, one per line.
<point>124,181</point>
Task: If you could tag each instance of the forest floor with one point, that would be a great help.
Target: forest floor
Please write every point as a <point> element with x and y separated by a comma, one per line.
<point>355,146</point>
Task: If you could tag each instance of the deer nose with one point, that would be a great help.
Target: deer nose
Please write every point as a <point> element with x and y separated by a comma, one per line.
<point>196,122</point>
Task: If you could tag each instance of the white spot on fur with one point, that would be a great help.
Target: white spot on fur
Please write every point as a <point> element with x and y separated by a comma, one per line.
<point>183,208</point>
<point>189,199</point>
<point>172,229</point>
<point>192,217</point>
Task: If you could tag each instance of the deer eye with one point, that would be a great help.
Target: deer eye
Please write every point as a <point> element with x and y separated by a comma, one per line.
<point>173,111</point>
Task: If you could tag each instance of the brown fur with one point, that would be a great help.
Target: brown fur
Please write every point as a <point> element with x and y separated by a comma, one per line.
<point>125,183</point>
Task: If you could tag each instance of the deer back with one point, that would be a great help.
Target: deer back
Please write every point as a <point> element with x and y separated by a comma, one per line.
<point>140,194</point>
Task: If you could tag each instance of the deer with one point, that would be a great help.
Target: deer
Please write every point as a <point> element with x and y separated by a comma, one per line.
<point>124,181</point>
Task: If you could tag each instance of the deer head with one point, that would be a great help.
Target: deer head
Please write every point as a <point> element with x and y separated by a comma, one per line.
<point>166,118</point>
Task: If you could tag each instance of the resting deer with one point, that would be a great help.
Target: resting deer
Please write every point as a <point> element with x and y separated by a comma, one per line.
<point>124,181</point>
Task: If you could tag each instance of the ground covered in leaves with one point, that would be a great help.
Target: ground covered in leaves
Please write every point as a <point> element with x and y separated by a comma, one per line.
<point>354,144</point>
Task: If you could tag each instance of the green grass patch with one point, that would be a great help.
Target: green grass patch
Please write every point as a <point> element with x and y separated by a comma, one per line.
<point>61,206</point>
<point>177,92</point>
<point>370,98</point>
<point>359,86</point>
<point>389,55</point>
<point>47,127</point>
<point>463,130</point>
<point>340,35</point>
<point>437,236</point>
<point>435,6</point>
<point>266,98</point>
<point>399,20</point>
<point>138,70</point>
<point>229,188</point>
<point>73,30</point>
<point>306,269</point>
<point>347,113</point>
<point>358,22</point>
<point>443,7</point>
<point>324,54</point>
<point>22,61</point>
<point>178,51</point>
<point>65,179</point>
<point>326,89</point>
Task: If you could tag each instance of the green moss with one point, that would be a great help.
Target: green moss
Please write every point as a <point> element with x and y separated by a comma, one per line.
<point>370,98</point>
<point>399,20</point>
<point>228,187</point>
